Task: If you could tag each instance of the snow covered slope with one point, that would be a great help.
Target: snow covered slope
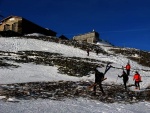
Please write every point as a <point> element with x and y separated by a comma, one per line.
<point>29,72</point>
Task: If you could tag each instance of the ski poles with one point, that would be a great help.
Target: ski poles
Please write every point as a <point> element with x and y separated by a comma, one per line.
<point>116,79</point>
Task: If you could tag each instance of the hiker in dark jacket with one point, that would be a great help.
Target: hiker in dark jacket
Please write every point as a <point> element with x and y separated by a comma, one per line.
<point>125,78</point>
<point>99,77</point>
<point>88,51</point>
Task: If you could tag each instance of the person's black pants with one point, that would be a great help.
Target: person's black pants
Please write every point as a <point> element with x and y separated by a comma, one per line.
<point>137,84</point>
<point>125,83</point>
<point>100,86</point>
<point>128,72</point>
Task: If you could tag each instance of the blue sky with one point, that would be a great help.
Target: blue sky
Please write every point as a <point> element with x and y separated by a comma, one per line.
<point>121,22</point>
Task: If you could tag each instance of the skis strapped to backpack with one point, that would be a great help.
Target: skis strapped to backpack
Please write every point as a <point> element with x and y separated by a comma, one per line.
<point>108,66</point>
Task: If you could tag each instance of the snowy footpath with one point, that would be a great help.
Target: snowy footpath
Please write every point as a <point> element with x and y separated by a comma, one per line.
<point>71,106</point>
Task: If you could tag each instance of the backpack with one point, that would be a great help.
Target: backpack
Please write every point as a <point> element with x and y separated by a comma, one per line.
<point>98,76</point>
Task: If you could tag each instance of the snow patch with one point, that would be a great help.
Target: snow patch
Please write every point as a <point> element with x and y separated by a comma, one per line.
<point>34,34</point>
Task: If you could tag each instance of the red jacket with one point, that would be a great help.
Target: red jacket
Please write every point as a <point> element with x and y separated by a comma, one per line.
<point>128,67</point>
<point>137,77</point>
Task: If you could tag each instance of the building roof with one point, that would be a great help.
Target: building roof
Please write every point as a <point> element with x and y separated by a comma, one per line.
<point>11,16</point>
<point>63,37</point>
<point>86,33</point>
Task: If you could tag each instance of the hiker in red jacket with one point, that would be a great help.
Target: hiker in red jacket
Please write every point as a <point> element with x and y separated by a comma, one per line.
<point>137,79</point>
<point>128,67</point>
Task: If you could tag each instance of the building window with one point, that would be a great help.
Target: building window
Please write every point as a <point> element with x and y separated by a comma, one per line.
<point>6,27</point>
<point>14,27</point>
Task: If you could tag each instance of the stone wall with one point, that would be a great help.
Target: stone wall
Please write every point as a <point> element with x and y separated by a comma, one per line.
<point>91,37</point>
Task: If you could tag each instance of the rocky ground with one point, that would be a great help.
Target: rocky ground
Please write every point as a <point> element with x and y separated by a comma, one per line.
<point>141,57</point>
<point>68,89</point>
<point>72,66</point>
